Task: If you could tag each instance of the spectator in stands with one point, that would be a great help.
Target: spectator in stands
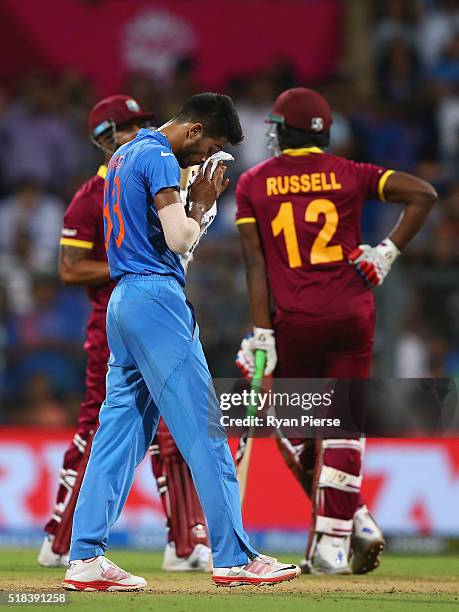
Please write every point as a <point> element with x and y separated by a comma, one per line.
<point>398,72</point>
<point>386,136</point>
<point>439,23</point>
<point>37,140</point>
<point>395,20</point>
<point>40,405</point>
<point>411,351</point>
<point>16,273</point>
<point>342,100</point>
<point>49,338</point>
<point>32,211</point>
<point>253,107</point>
<point>446,234</point>
<point>447,67</point>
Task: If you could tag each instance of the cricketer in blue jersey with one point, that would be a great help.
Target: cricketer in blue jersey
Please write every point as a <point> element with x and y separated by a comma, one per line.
<point>139,170</point>
<point>156,365</point>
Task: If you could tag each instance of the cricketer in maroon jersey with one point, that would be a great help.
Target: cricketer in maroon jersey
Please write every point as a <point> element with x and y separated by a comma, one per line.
<point>299,220</point>
<point>307,205</point>
<point>83,261</point>
<point>84,228</point>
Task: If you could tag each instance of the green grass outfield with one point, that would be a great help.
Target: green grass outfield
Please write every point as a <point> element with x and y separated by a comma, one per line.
<point>402,584</point>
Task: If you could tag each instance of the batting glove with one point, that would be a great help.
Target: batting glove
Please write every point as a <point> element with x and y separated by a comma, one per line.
<point>245,358</point>
<point>262,339</point>
<point>374,263</point>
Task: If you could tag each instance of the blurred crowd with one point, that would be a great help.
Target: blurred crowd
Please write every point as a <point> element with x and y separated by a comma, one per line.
<point>409,122</point>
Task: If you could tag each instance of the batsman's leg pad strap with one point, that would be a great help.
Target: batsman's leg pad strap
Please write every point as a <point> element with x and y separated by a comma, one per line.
<point>153,449</point>
<point>333,526</point>
<point>337,479</point>
<point>337,482</point>
<point>61,544</point>
<point>67,479</point>
<point>341,464</point>
<point>58,512</point>
<point>354,444</point>
<point>79,442</point>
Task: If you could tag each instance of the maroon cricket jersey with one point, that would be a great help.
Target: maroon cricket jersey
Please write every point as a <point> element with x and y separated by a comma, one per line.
<point>84,228</point>
<point>307,205</point>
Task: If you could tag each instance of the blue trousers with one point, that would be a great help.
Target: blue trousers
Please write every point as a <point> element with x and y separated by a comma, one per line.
<point>157,367</point>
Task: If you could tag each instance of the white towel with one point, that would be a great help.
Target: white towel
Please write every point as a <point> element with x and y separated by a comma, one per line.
<point>210,215</point>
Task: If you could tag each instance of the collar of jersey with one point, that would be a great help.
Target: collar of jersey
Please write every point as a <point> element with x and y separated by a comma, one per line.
<point>157,135</point>
<point>300,152</point>
<point>102,172</point>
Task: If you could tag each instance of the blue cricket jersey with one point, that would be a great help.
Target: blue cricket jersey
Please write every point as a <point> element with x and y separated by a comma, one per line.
<point>134,238</point>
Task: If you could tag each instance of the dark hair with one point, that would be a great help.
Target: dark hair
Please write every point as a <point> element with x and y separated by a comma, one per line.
<point>217,114</point>
<point>292,138</point>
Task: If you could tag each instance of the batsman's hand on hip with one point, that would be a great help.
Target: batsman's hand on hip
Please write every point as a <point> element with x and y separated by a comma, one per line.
<point>260,339</point>
<point>208,186</point>
<point>374,263</point>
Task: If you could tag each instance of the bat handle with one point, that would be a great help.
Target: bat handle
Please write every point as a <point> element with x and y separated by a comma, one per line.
<point>257,378</point>
<point>260,364</point>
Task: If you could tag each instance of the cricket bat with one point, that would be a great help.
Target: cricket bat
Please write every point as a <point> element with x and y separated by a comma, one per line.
<point>246,441</point>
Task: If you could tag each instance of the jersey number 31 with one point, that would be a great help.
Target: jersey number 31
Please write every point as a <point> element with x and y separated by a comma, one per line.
<point>321,250</point>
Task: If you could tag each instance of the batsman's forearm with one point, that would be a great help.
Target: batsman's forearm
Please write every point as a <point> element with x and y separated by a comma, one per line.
<point>417,196</point>
<point>410,222</point>
<point>255,271</point>
<point>258,290</point>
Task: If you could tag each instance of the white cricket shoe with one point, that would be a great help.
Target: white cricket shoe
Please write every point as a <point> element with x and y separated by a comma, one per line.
<point>47,557</point>
<point>330,556</point>
<point>367,543</point>
<point>200,559</point>
<point>100,574</point>
<point>259,571</point>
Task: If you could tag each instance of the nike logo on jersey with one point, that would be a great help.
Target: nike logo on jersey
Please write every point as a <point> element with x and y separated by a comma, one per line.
<point>163,154</point>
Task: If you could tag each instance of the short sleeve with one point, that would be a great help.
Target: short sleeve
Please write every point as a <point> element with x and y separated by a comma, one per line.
<point>80,222</point>
<point>373,179</point>
<point>161,170</point>
<point>244,208</point>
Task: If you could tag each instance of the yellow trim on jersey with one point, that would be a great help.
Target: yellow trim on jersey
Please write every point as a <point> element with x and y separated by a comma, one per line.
<point>82,244</point>
<point>381,184</point>
<point>102,172</point>
<point>245,220</point>
<point>303,151</point>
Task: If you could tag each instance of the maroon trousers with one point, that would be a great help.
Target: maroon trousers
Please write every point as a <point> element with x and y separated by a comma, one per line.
<point>336,348</point>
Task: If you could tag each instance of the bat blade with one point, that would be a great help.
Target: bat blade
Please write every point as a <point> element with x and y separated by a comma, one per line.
<point>246,442</point>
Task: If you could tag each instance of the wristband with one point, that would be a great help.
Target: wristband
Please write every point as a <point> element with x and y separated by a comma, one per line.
<point>198,206</point>
<point>388,250</point>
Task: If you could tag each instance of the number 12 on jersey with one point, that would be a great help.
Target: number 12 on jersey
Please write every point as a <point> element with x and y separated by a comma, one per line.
<point>321,250</point>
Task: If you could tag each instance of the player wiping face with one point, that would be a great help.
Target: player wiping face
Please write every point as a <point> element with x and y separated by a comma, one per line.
<point>209,217</point>
<point>156,363</point>
<point>112,122</point>
<point>198,148</point>
<point>172,230</point>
